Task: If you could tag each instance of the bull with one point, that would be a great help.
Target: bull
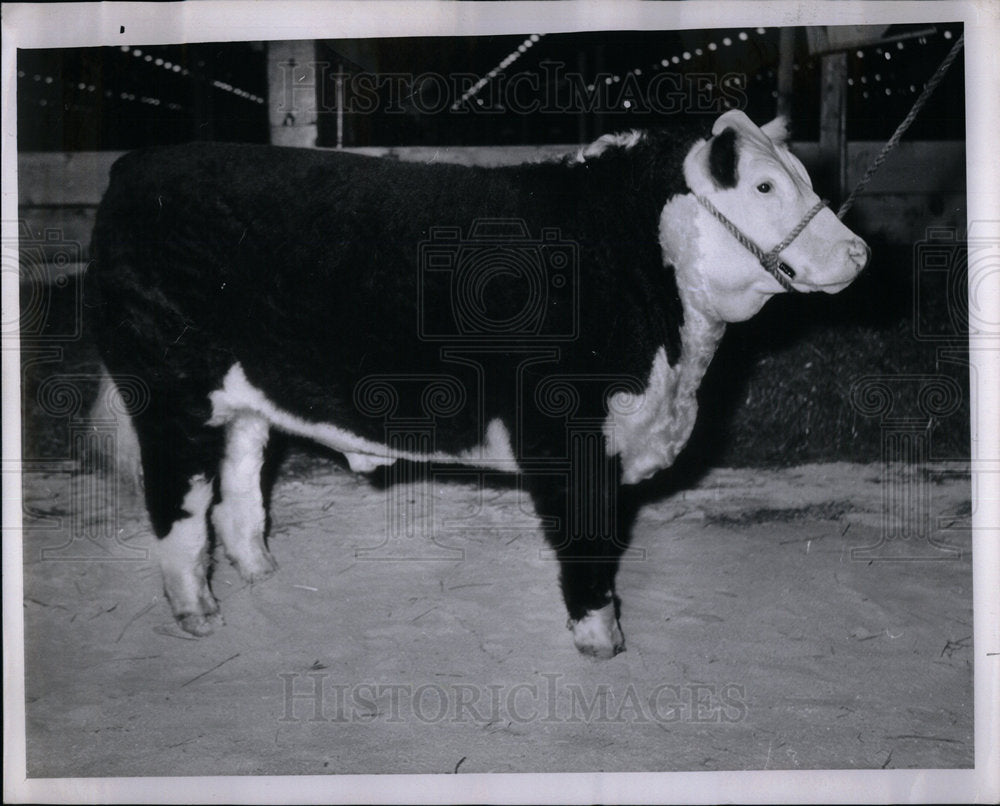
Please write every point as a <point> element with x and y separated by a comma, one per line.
<point>552,320</point>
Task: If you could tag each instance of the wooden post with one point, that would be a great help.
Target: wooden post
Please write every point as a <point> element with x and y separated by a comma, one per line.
<point>833,121</point>
<point>340,105</point>
<point>292,85</point>
<point>598,116</point>
<point>582,135</point>
<point>786,66</point>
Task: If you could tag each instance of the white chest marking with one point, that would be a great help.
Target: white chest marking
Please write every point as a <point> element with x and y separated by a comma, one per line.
<point>238,395</point>
<point>649,431</point>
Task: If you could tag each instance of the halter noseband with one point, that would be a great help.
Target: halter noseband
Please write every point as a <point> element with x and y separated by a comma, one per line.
<point>769,260</point>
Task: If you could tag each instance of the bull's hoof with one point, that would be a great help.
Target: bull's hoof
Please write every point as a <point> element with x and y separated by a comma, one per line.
<point>202,616</point>
<point>261,567</point>
<point>200,624</point>
<point>597,634</point>
<point>195,609</point>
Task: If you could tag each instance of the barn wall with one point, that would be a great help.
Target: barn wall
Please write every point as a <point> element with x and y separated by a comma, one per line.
<point>922,185</point>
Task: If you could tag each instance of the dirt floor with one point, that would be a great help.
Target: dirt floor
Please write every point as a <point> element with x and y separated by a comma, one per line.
<point>766,628</point>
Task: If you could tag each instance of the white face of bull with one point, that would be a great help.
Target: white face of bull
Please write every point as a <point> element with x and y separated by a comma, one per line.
<point>749,175</point>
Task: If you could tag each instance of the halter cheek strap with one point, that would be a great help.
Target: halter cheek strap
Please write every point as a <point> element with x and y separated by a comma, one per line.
<point>769,260</point>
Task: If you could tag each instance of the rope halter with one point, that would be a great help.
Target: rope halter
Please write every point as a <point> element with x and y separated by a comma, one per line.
<point>771,261</point>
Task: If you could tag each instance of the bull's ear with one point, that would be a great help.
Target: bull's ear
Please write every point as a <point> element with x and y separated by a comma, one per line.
<point>733,119</point>
<point>722,159</point>
<point>777,129</point>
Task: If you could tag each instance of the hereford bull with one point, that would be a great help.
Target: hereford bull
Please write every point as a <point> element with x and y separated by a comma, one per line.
<point>553,320</point>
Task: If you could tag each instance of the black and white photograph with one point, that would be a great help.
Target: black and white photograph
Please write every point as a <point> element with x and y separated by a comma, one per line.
<point>500,402</point>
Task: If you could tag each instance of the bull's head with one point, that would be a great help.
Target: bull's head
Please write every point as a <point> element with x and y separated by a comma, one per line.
<point>745,182</point>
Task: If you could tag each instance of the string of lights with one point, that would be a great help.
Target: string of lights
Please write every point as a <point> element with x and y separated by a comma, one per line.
<point>177,68</point>
<point>885,53</point>
<point>148,100</point>
<point>676,59</point>
<point>878,80</point>
<point>504,63</point>
<point>873,84</point>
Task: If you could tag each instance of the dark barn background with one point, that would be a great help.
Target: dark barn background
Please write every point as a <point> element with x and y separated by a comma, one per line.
<point>106,99</point>
<point>778,392</point>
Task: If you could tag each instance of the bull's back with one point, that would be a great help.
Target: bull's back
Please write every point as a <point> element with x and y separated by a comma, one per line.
<point>298,265</point>
<point>226,227</point>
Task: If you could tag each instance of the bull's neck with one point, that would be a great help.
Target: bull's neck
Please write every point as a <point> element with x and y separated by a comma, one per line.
<point>702,325</point>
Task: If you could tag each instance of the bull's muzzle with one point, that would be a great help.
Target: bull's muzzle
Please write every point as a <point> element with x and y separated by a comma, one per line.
<point>840,267</point>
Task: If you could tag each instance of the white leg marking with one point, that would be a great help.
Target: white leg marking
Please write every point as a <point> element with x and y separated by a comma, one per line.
<point>183,557</point>
<point>239,517</point>
<point>598,633</point>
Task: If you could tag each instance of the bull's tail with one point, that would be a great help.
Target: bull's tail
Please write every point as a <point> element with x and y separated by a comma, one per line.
<point>121,454</point>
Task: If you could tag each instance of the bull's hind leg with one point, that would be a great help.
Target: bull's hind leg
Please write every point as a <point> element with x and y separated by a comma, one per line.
<point>239,516</point>
<point>180,456</point>
<point>183,553</point>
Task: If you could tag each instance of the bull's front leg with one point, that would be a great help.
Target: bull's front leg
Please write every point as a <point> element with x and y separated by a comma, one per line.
<point>585,524</point>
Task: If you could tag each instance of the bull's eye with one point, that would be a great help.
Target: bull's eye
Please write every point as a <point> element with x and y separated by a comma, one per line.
<point>764,187</point>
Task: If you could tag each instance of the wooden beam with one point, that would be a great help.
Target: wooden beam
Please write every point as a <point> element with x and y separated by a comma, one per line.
<point>786,66</point>
<point>833,122</point>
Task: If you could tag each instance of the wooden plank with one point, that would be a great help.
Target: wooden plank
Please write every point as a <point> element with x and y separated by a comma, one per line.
<point>58,179</point>
<point>908,218</point>
<point>921,184</point>
<point>843,37</point>
<point>63,178</point>
<point>55,235</point>
<point>486,156</point>
<point>912,167</point>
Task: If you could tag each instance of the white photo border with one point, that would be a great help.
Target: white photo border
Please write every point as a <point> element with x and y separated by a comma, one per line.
<point>90,24</point>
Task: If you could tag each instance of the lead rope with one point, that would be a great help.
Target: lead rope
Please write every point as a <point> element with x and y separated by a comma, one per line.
<point>929,88</point>
<point>769,260</point>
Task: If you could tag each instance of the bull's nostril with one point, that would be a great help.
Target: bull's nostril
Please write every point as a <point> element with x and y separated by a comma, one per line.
<point>860,253</point>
